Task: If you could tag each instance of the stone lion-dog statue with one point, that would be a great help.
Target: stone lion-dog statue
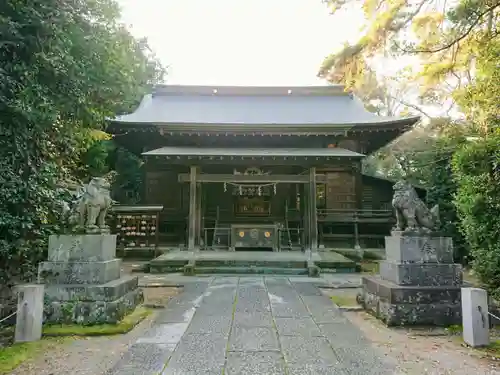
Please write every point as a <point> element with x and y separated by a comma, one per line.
<point>91,206</point>
<point>412,215</point>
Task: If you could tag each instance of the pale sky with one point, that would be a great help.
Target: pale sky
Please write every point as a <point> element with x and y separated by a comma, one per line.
<point>241,42</point>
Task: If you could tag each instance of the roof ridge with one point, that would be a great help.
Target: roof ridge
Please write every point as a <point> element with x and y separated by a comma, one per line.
<point>324,90</point>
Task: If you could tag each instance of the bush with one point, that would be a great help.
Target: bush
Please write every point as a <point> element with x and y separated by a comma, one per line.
<point>441,191</point>
<point>476,168</point>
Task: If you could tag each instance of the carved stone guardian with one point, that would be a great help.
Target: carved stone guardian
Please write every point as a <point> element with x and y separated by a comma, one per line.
<point>412,215</point>
<point>418,283</point>
<point>82,276</point>
<point>87,212</point>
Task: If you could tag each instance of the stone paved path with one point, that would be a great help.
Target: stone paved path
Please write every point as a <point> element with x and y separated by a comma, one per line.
<point>254,326</point>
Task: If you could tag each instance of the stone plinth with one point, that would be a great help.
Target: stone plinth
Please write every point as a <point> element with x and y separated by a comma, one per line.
<point>419,249</point>
<point>423,274</point>
<point>82,248</point>
<point>83,281</point>
<point>79,272</point>
<point>418,283</point>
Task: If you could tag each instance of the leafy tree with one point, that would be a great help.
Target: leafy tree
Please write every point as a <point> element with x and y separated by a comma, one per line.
<point>64,67</point>
<point>476,167</point>
<point>479,99</point>
<point>442,189</point>
<point>443,37</point>
<point>128,185</point>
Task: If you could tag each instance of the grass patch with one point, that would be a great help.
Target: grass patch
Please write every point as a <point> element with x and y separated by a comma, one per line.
<point>493,350</point>
<point>125,326</point>
<point>12,356</point>
<point>354,255</point>
<point>372,255</point>
<point>369,267</point>
<point>344,300</point>
<point>349,254</point>
<point>454,329</point>
<point>470,277</point>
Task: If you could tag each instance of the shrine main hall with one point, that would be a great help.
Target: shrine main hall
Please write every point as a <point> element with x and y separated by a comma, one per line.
<point>258,168</point>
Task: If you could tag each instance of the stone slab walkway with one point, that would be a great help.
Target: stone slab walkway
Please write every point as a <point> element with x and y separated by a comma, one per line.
<point>332,280</point>
<point>254,326</point>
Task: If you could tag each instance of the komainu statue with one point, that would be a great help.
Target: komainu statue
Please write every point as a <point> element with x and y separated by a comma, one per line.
<point>412,215</point>
<point>91,205</point>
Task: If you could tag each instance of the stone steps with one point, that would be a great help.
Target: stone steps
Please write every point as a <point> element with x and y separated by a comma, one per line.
<point>336,266</point>
<point>256,263</point>
<point>250,263</point>
<point>250,270</point>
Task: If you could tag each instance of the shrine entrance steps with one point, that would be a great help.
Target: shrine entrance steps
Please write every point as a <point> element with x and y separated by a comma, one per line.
<point>249,262</point>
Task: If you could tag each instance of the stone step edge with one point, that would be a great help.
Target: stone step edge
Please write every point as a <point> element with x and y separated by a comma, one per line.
<point>251,270</point>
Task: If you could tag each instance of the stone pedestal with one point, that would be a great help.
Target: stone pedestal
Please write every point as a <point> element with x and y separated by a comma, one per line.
<point>83,281</point>
<point>418,283</point>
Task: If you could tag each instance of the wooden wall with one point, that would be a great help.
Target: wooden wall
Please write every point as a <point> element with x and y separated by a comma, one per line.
<point>340,191</point>
<point>377,194</point>
<point>162,187</point>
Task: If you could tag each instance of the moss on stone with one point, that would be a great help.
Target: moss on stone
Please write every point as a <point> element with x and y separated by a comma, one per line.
<point>12,356</point>
<point>124,326</point>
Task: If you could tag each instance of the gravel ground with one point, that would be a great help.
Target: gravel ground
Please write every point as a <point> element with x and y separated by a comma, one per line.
<point>423,355</point>
<point>84,356</point>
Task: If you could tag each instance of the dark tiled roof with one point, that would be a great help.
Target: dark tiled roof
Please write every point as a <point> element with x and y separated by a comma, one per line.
<point>326,105</point>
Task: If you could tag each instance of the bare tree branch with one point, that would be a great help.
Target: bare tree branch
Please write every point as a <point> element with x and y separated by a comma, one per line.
<point>415,107</point>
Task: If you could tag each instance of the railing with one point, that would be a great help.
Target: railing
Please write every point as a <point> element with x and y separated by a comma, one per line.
<point>354,215</point>
<point>294,237</point>
<point>7,317</point>
<point>218,233</point>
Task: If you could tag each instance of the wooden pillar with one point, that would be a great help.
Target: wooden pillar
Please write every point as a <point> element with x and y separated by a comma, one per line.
<point>358,190</point>
<point>358,185</point>
<point>313,212</point>
<point>199,213</point>
<point>193,216</point>
<point>304,203</point>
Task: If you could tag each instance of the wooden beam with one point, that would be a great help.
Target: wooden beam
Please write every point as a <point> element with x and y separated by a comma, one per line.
<point>249,179</point>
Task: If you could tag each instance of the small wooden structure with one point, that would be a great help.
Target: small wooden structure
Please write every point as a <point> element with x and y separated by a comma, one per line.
<point>137,226</point>
<point>282,157</point>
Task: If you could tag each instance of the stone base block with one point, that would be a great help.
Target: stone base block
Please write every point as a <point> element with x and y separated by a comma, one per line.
<point>189,269</point>
<point>398,305</point>
<point>79,272</point>
<point>82,247</point>
<point>92,312</point>
<point>312,269</point>
<point>427,274</point>
<point>108,292</point>
<point>418,249</point>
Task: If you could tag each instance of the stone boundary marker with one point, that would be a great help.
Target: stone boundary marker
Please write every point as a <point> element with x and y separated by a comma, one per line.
<point>29,313</point>
<point>476,327</point>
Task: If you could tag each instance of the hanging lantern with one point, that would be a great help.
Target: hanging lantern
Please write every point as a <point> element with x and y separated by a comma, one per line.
<point>225,187</point>
<point>241,190</point>
<point>259,190</point>
<point>274,189</point>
